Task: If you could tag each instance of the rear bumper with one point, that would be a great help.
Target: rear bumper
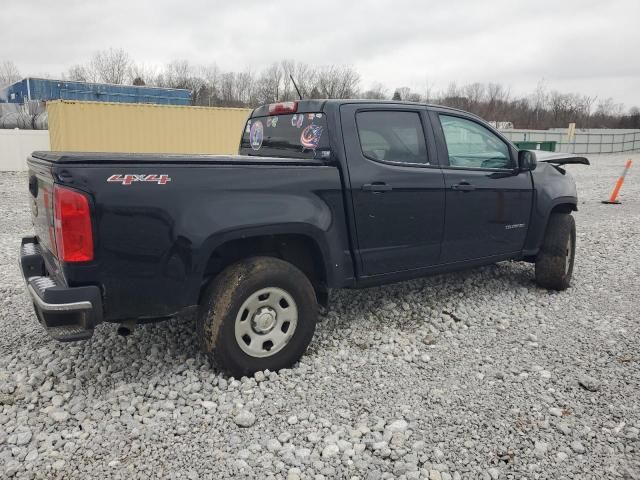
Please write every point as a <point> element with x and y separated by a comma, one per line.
<point>67,313</point>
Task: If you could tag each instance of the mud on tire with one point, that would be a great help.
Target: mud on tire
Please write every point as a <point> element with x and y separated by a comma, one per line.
<point>554,263</point>
<point>238,341</point>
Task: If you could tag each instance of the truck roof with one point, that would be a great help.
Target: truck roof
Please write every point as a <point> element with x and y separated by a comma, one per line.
<point>318,105</point>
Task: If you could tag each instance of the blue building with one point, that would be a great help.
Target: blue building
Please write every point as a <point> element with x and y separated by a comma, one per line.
<point>40,89</point>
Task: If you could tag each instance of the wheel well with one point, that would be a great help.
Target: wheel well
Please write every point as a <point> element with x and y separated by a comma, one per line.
<point>563,208</point>
<point>299,250</point>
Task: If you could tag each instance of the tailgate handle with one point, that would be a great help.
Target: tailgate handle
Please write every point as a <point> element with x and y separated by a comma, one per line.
<point>33,185</point>
<point>376,187</point>
<point>463,187</point>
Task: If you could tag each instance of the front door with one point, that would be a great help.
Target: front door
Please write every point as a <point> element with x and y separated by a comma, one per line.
<point>488,202</point>
<point>397,192</point>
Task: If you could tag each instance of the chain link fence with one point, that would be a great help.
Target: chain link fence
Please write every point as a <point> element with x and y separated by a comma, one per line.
<point>584,141</point>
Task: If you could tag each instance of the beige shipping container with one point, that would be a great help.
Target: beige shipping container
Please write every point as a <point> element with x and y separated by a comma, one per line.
<point>140,128</point>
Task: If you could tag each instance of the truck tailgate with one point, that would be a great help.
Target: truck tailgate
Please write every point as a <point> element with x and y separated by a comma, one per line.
<point>42,216</point>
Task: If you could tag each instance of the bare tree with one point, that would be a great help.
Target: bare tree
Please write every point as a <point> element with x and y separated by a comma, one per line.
<point>109,66</point>
<point>338,81</point>
<point>244,88</point>
<point>304,76</point>
<point>453,97</point>
<point>633,118</point>
<point>182,74</point>
<point>77,73</point>
<point>270,86</point>
<point>539,100</point>
<point>404,93</point>
<point>540,96</point>
<point>212,86</point>
<point>428,92</point>
<point>177,74</point>
<point>211,76</point>
<point>475,92</point>
<point>141,74</point>
<point>228,90</point>
<point>376,92</point>
<point>608,107</point>
<point>9,73</point>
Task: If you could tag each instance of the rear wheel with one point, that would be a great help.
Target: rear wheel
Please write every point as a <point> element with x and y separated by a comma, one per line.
<point>258,314</point>
<point>554,263</point>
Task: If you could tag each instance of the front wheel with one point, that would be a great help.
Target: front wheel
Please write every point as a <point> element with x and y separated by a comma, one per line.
<point>554,263</point>
<point>258,314</point>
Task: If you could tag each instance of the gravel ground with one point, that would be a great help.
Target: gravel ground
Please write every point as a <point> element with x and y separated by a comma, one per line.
<point>472,375</point>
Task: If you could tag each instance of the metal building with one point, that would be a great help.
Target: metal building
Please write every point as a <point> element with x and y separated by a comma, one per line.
<point>41,89</point>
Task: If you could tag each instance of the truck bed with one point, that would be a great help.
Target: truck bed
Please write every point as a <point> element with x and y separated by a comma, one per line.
<point>158,219</point>
<point>99,158</point>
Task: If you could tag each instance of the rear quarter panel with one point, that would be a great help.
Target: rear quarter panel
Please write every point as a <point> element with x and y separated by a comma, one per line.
<point>154,240</point>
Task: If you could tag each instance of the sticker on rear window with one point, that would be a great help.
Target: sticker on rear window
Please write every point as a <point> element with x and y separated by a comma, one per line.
<point>296,120</point>
<point>256,135</point>
<point>310,136</point>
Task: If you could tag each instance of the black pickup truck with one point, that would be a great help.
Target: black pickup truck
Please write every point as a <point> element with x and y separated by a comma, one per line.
<point>323,194</point>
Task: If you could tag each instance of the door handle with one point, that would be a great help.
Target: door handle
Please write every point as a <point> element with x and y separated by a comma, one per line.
<point>376,187</point>
<point>463,187</point>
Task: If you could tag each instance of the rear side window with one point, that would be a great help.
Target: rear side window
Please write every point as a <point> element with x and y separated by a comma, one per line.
<point>300,135</point>
<point>392,136</point>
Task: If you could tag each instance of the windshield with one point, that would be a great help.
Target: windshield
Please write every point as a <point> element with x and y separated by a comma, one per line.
<point>300,135</point>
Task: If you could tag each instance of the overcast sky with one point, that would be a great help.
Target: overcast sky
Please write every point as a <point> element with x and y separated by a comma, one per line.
<point>583,46</point>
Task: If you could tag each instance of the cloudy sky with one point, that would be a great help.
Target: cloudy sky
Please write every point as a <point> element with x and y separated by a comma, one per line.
<point>583,46</point>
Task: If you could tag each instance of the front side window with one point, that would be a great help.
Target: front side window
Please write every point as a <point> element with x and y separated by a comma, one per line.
<point>472,145</point>
<point>392,136</point>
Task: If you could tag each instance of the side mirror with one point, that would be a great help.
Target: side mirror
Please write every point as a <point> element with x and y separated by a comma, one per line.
<point>526,161</point>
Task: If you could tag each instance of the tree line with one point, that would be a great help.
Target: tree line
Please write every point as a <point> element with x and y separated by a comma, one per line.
<point>211,86</point>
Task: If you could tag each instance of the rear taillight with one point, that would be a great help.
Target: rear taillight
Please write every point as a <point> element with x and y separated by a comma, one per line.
<point>283,107</point>
<point>74,237</point>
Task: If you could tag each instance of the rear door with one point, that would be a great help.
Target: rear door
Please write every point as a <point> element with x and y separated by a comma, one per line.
<point>396,188</point>
<point>488,200</point>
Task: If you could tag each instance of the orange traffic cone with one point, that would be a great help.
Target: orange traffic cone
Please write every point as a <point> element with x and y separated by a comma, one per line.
<point>614,195</point>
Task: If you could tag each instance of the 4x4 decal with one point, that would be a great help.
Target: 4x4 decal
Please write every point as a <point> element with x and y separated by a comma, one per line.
<point>128,179</point>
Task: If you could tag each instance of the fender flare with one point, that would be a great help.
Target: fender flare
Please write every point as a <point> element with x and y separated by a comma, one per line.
<point>213,242</point>
<point>540,220</point>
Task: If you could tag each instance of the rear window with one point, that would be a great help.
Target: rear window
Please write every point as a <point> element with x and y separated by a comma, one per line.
<point>299,135</point>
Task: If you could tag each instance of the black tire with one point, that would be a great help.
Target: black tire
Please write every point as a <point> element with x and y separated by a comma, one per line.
<point>554,263</point>
<point>226,294</point>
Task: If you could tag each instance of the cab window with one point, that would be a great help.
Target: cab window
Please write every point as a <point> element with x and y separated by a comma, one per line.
<point>392,136</point>
<point>469,144</point>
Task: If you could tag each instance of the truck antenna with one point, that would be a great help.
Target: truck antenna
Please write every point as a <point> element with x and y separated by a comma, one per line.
<point>296,86</point>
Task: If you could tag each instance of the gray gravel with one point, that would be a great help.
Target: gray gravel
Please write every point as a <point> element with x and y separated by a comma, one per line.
<point>472,375</point>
